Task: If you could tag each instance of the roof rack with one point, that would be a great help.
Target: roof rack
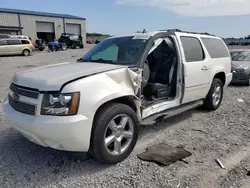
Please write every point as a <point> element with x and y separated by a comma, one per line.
<point>191,32</point>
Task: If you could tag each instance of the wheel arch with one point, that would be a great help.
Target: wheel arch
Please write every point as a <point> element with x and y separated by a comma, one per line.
<point>26,49</point>
<point>222,76</point>
<point>127,100</point>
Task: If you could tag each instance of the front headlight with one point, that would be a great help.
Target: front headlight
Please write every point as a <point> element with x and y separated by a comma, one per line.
<point>60,104</point>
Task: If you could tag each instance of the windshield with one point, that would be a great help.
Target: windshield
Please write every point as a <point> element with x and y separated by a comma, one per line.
<point>121,51</point>
<point>240,55</point>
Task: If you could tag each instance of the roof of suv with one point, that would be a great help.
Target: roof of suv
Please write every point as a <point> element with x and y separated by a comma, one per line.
<point>146,35</point>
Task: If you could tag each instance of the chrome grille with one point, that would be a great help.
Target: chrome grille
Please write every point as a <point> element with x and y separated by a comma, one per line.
<point>24,92</point>
<point>24,108</point>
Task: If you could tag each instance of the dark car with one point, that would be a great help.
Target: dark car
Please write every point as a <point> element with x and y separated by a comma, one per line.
<point>71,40</point>
<point>240,66</point>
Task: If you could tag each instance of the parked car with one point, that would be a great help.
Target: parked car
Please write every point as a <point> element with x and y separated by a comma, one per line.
<point>11,46</point>
<point>71,40</point>
<point>241,66</point>
<point>96,104</point>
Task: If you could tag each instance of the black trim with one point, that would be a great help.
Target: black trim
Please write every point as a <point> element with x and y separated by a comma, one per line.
<point>27,88</point>
<point>24,92</point>
<point>11,27</point>
<point>64,26</point>
<point>20,25</point>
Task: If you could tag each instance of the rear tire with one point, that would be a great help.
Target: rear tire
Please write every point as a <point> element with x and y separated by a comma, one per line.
<point>81,46</point>
<point>214,96</point>
<point>73,46</point>
<point>114,134</point>
<point>64,47</point>
<point>26,53</point>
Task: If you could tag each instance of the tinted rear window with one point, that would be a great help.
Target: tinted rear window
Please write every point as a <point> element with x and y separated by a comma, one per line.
<point>215,47</point>
<point>192,49</point>
<point>25,42</point>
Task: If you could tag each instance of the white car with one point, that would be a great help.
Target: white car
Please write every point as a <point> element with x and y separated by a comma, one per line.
<point>96,104</point>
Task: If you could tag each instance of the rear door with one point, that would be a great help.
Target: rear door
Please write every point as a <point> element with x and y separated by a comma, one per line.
<point>15,46</point>
<point>4,50</point>
<point>196,67</point>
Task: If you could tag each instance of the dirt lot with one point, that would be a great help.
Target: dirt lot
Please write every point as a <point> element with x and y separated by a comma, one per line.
<point>223,134</point>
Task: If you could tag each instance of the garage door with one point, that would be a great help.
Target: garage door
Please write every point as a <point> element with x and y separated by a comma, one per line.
<point>45,27</point>
<point>73,29</point>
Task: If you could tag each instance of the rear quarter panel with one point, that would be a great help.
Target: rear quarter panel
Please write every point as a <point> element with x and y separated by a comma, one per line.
<point>218,65</point>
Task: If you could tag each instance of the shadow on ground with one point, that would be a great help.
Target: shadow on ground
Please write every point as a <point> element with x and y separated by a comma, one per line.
<point>23,161</point>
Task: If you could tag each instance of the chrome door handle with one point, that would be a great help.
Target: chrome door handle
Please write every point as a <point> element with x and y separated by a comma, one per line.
<point>204,68</point>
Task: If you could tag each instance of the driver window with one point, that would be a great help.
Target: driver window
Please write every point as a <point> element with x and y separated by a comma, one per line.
<point>110,53</point>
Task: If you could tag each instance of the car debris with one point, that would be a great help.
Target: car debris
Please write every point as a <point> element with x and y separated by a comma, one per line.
<point>176,181</point>
<point>164,154</point>
<point>198,130</point>
<point>220,163</point>
<point>240,100</point>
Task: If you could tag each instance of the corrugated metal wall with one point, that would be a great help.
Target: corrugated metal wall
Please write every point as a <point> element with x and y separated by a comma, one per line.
<point>83,26</point>
<point>8,19</point>
<point>28,22</point>
<point>29,25</point>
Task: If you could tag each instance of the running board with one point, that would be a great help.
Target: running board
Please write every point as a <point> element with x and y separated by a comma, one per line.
<point>170,112</point>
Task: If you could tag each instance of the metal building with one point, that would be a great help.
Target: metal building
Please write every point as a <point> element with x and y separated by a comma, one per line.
<point>47,26</point>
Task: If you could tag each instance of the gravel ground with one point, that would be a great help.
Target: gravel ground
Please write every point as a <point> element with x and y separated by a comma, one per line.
<point>222,134</point>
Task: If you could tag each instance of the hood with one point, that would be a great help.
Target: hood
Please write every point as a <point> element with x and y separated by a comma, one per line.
<point>52,77</point>
<point>240,64</point>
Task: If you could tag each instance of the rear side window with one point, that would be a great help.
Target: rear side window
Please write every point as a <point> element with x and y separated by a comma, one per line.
<point>215,47</point>
<point>13,42</point>
<point>3,42</point>
<point>192,49</point>
<point>25,42</point>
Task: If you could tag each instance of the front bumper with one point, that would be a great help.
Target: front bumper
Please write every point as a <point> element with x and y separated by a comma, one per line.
<point>240,77</point>
<point>68,133</point>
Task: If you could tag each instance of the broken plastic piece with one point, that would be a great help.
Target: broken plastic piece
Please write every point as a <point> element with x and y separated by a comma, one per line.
<point>220,163</point>
<point>240,100</point>
<point>164,154</point>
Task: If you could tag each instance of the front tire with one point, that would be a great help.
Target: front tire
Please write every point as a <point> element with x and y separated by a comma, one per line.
<point>214,96</point>
<point>73,46</point>
<point>81,46</point>
<point>114,134</point>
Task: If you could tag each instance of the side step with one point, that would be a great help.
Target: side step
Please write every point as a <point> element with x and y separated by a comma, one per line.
<point>170,112</point>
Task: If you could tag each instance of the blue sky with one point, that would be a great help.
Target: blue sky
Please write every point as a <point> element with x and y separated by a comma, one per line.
<point>225,18</point>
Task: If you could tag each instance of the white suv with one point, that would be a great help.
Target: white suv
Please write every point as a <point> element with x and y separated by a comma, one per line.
<point>96,104</point>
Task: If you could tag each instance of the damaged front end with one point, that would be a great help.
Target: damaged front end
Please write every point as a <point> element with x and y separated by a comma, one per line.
<point>130,81</point>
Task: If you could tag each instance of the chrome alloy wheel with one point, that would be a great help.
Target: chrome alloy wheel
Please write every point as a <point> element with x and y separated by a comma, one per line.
<point>217,95</point>
<point>119,134</point>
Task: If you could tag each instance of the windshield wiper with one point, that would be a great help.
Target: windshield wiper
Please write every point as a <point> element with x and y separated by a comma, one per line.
<point>82,60</point>
<point>100,60</point>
